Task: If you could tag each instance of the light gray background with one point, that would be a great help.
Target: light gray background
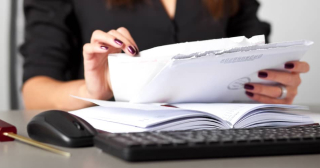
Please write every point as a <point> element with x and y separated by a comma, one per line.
<point>294,20</point>
<point>4,53</point>
<point>290,19</point>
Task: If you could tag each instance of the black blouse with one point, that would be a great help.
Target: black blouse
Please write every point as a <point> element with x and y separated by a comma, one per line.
<point>56,30</point>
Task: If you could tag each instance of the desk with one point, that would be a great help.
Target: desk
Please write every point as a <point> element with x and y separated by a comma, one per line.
<point>19,155</point>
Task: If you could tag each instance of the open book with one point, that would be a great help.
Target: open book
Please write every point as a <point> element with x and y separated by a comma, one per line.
<point>128,117</point>
<point>210,71</point>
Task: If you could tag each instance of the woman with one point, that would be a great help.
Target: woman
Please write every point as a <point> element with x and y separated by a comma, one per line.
<point>68,41</point>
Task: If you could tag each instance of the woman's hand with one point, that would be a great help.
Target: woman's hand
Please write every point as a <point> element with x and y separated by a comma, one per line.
<point>270,94</point>
<point>95,57</point>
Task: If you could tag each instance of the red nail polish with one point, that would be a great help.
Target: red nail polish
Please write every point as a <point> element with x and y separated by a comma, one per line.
<point>118,42</point>
<point>289,66</point>
<point>248,86</point>
<point>131,50</point>
<point>249,94</point>
<point>104,47</point>
<point>263,74</point>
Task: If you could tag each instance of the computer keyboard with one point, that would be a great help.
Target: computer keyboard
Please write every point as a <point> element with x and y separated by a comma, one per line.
<point>149,146</point>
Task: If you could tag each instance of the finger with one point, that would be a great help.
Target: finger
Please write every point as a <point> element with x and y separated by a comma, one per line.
<point>297,66</point>
<point>95,56</point>
<point>102,37</point>
<point>129,45</point>
<point>269,91</point>
<point>90,49</point>
<point>268,100</point>
<point>125,32</point>
<point>285,78</point>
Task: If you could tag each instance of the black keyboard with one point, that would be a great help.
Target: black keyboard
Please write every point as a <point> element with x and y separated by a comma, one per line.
<point>148,146</point>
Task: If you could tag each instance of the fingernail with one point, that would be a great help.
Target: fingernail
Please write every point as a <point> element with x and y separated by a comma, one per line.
<point>263,74</point>
<point>131,50</point>
<point>289,65</point>
<point>104,47</point>
<point>118,42</point>
<point>249,94</point>
<point>249,87</point>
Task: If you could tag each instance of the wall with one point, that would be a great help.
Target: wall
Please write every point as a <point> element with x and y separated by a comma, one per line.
<point>4,54</point>
<point>295,20</point>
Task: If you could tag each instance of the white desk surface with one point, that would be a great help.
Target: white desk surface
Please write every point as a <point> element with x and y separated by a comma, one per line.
<point>19,155</point>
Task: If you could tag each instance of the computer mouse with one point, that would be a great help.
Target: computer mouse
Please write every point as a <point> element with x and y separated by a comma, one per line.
<point>61,128</point>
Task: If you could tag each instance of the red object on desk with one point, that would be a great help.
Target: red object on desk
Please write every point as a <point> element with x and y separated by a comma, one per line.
<point>6,127</point>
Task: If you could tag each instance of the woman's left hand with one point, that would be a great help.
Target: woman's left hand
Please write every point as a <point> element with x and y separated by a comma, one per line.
<point>270,94</point>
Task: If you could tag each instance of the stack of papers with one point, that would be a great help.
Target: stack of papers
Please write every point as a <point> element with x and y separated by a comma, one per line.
<point>203,80</point>
<point>199,72</point>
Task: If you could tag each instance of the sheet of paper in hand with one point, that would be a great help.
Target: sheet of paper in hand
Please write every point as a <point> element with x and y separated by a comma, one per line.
<point>213,71</point>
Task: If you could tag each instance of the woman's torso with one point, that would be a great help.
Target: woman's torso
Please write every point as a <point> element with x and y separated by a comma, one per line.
<point>148,23</point>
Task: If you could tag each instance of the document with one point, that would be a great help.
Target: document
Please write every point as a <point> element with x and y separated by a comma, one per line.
<point>212,72</point>
<point>130,74</point>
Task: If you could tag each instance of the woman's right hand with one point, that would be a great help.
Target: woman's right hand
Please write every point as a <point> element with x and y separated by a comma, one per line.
<point>95,57</point>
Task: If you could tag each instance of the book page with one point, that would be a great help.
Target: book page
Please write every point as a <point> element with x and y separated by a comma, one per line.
<point>146,115</point>
<point>112,127</point>
<point>114,104</point>
<point>230,112</point>
<point>137,117</point>
<point>273,117</point>
<point>109,126</point>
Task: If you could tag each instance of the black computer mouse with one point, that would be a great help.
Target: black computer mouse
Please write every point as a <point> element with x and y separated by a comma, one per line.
<point>61,128</point>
